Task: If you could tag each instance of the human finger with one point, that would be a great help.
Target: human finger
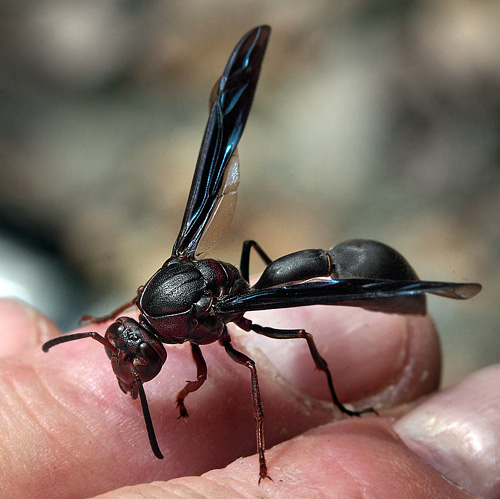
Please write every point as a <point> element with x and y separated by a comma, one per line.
<point>352,458</point>
<point>67,403</point>
<point>22,327</point>
<point>457,431</point>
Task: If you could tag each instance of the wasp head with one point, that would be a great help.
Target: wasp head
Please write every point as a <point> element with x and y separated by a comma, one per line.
<point>137,352</point>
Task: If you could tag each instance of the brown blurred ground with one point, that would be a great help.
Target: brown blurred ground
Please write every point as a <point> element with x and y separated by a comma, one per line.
<point>371,120</point>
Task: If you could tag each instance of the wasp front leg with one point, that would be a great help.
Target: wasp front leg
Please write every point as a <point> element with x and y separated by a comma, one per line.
<point>192,386</point>
<point>90,319</point>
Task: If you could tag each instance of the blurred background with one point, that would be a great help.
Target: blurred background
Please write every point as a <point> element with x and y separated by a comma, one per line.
<point>373,119</point>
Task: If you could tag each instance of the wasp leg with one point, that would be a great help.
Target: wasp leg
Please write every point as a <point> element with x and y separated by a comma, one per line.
<point>85,319</point>
<point>320,362</point>
<point>192,386</point>
<point>245,257</point>
<point>258,411</point>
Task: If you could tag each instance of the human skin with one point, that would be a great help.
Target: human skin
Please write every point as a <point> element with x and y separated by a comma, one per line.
<point>68,431</point>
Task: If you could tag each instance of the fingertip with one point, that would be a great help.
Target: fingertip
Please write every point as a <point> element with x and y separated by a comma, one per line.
<point>22,327</point>
<point>457,431</point>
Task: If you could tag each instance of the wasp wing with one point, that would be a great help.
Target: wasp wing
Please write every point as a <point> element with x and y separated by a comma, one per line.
<point>228,115</point>
<point>399,297</point>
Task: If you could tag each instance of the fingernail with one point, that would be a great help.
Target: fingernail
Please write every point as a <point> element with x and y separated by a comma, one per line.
<point>457,432</point>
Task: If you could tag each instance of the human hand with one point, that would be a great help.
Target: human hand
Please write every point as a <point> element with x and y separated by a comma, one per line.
<point>68,431</point>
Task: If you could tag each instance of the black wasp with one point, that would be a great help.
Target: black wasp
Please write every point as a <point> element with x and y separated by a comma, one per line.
<point>192,300</point>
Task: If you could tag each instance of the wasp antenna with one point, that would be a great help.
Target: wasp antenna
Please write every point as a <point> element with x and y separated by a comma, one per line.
<point>77,336</point>
<point>63,339</point>
<point>147,418</point>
